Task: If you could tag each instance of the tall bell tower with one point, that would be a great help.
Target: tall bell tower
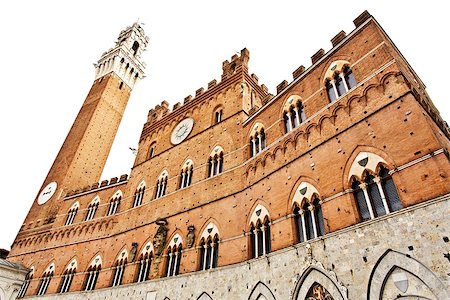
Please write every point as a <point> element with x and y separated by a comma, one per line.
<point>83,155</point>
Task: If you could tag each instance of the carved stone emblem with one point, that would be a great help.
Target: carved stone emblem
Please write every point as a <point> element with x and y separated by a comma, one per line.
<point>160,237</point>
<point>363,162</point>
<point>190,236</point>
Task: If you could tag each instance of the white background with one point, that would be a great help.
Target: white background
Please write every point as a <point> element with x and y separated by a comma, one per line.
<point>47,49</point>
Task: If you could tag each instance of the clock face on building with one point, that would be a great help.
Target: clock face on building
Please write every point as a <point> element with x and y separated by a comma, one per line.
<point>181,131</point>
<point>47,193</point>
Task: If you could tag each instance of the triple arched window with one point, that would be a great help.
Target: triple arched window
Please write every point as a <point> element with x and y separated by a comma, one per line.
<point>341,81</point>
<point>308,213</point>
<point>209,247</point>
<point>144,263</point>
<point>260,243</point>
<point>257,139</point>
<point>114,203</point>
<point>186,174</point>
<point>67,277</point>
<point>92,274</point>
<point>45,280</point>
<point>139,194</point>
<point>72,213</point>
<point>294,113</point>
<point>119,268</point>
<point>161,185</point>
<point>374,190</point>
<point>26,283</point>
<point>92,208</point>
<point>215,162</point>
<point>174,256</point>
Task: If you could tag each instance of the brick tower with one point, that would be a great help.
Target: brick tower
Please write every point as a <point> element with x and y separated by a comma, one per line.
<point>83,155</point>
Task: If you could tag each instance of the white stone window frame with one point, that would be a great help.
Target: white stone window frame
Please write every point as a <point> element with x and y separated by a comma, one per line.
<point>259,216</point>
<point>210,233</point>
<point>215,162</point>
<point>45,279</point>
<point>93,273</point>
<point>335,69</point>
<point>119,267</point>
<point>139,194</point>
<point>174,252</point>
<point>145,260</point>
<point>92,208</point>
<point>293,104</point>
<point>257,139</point>
<point>26,283</point>
<point>161,184</point>
<point>72,213</point>
<point>67,276</point>
<point>114,203</point>
<point>187,171</point>
<point>306,193</point>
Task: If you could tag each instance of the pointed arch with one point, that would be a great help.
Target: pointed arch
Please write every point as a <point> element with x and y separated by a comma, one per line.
<point>204,296</point>
<point>174,250</point>
<point>209,247</point>
<point>392,259</point>
<point>259,222</point>
<point>261,290</point>
<point>144,262</point>
<point>313,275</point>
<point>139,193</point>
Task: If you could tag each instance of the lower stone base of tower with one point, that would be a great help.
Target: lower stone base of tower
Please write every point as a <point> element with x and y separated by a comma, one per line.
<point>385,258</point>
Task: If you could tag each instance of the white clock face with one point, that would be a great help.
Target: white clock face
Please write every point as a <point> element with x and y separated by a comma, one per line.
<point>182,130</point>
<point>47,193</point>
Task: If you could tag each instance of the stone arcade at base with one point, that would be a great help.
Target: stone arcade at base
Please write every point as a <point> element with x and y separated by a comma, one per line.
<point>337,187</point>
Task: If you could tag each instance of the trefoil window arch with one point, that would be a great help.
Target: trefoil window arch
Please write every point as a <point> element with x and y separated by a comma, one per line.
<point>260,243</point>
<point>144,263</point>
<point>308,213</point>
<point>92,208</point>
<point>215,162</point>
<point>72,213</point>
<point>119,268</point>
<point>293,113</point>
<point>67,277</point>
<point>114,203</point>
<point>161,185</point>
<point>209,247</point>
<point>174,252</point>
<point>186,174</point>
<point>339,79</point>
<point>257,139</point>
<point>373,187</point>
<point>139,194</point>
<point>92,273</point>
<point>45,280</point>
<point>26,283</point>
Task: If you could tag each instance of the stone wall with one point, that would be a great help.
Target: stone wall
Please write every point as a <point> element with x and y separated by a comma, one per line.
<point>390,256</point>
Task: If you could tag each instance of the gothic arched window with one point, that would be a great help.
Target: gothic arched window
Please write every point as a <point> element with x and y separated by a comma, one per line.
<point>186,174</point>
<point>45,280</point>
<point>26,283</point>
<point>161,185</point>
<point>376,195</point>
<point>152,149</point>
<point>139,194</point>
<point>67,277</point>
<point>260,243</point>
<point>114,203</point>
<point>308,217</point>
<point>294,113</point>
<point>144,263</point>
<point>215,162</point>
<point>218,115</point>
<point>119,268</point>
<point>209,247</point>
<point>174,256</point>
<point>92,209</point>
<point>339,79</point>
<point>92,274</point>
<point>257,139</point>
<point>135,47</point>
<point>72,213</point>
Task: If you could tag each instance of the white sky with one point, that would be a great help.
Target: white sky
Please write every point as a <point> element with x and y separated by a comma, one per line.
<point>48,47</point>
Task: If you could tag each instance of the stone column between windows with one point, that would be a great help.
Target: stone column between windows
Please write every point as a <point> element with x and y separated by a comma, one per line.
<point>211,173</point>
<point>182,179</point>
<point>289,122</point>
<point>334,89</point>
<point>377,180</point>
<point>88,283</point>
<point>218,165</point>
<point>158,188</point>
<point>175,264</point>
<point>205,247</point>
<point>313,220</point>
<point>255,234</point>
<point>302,215</point>
<point>188,177</point>
<point>343,81</point>
<point>169,270</point>
<point>212,255</point>
<point>263,230</point>
<point>260,142</point>
<point>253,142</point>
<point>363,186</point>
<point>296,120</point>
